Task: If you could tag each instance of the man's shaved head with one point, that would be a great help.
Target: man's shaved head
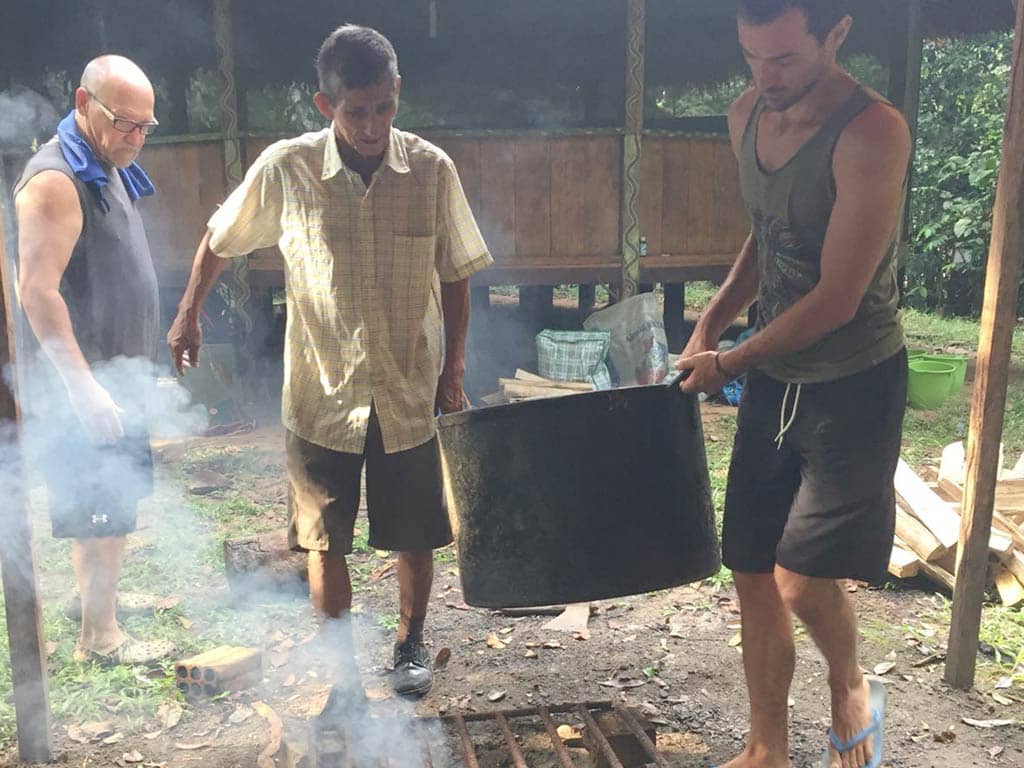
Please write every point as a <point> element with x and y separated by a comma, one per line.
<point>114,87</point>
<point>113,73</point>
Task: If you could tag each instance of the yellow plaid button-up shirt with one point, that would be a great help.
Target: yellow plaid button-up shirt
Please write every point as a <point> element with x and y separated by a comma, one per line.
<point>363,267</point>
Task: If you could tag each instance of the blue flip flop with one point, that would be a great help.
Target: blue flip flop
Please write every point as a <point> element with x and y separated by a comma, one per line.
<point>872,731</point>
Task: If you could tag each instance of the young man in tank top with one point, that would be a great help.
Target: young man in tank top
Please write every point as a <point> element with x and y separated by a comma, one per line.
<point>810,500</point>
<point>87,285</point>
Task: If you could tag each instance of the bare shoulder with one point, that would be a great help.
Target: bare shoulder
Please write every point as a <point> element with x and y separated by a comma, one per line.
<point>739,115</point>
<point>47,191</point>
<point>880,131</point>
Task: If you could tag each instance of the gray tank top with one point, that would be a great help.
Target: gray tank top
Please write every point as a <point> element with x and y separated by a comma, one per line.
<point>790,210</point>
<point>110,283</point>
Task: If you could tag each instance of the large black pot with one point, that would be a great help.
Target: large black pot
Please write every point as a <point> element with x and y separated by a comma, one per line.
<point>579,498</point>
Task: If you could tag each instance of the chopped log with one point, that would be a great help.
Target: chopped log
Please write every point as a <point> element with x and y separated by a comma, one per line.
<point>1004,523</point>
<point>575,386</point>
<point>924,504</point>
<point>225,668</point>
<point>264,563</point>
<point>903,563</point>
<point>522,375</point>
<point>920,540</point>
<point>1000,544</point>
<point>939,575</point>
<point>515,391</point>
<point>1011,591</point>
<point>1009,495</point>
<point>495,398</point>
<point>1015,565</point>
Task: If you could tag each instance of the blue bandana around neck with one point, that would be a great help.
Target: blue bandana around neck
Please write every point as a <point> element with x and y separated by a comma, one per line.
<point>85,165</point>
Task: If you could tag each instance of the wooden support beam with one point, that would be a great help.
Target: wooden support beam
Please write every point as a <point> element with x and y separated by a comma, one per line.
<point>675,304</point>
<point>636,46</point>
<point>17,561</point>
<point>998,320</point>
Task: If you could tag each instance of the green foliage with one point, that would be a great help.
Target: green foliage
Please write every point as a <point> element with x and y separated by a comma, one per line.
<point>963,108</point>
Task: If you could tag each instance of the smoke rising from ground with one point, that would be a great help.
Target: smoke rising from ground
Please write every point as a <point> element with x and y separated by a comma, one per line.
<point>26,116</point>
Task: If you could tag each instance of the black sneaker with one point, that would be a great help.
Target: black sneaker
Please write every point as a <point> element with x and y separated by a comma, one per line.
<point>413,675</point>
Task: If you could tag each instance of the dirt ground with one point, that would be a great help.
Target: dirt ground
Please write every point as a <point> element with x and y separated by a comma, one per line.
<point>674,655</point>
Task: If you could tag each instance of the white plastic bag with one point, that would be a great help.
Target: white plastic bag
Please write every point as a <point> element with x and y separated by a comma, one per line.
<point>638,350</point>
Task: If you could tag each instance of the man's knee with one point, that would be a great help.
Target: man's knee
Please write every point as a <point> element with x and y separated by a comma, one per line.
<point>800,593</point>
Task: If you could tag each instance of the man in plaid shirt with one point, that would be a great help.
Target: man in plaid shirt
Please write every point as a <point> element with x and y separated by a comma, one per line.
<point>379,244</point>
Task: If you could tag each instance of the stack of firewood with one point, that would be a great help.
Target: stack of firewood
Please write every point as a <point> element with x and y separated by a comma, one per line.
<point>527,386</point>
<point>928,525</point>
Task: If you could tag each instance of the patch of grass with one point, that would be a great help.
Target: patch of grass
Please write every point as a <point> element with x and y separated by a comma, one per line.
<point>388,621</point>
<point>698,295</point>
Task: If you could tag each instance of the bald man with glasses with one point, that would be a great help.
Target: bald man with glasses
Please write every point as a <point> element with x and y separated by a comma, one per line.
<point>87,285</point>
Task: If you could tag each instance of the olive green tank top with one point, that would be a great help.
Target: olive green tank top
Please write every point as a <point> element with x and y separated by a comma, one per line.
<point>789,211</point>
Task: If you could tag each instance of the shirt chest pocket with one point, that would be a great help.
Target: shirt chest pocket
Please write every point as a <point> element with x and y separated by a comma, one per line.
<point>413,265</point>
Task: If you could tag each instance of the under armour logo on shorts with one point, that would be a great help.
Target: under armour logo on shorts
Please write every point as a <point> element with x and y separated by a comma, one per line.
<point>100,520</point>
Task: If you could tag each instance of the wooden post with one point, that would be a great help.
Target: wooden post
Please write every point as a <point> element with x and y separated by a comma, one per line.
<point>998,319</point>
<point>907,47</point>
<point>17,562</point>
<point>233,171</point>
<point>636,33</point>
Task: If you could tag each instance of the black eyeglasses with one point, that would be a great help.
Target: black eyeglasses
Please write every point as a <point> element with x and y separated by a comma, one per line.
<point>123,124</point>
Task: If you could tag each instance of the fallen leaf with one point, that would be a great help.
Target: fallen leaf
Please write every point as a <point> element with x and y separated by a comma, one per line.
<point>1003,683</point>
<point>884,667</point>
<point>97,730</point>
<point>736,640</point>
<point>553,644</point>
<point>186,623</point>
<point>988,723</point>
<point>278,659</point>
<point>51,646</point>
<point>289,681</point>
<point>506,630</point>
<point>266,757</point>
<point>496,696</point>
<point>947,736</point>
<point>568,732</point>
<point>75,733</point>
<point>189,746</point>
<point>241,714</point>
<point>790,702</point>
<point>623,684</point>
<point>583,634</point>
<point>169,714</point>
<point>1004,700</point>
<point>152,735</point>
<point>113,739</point>
<point>442,659</point>
<point>458,606</point>
<point>132,757</point>
<point>166,604</point>
<point>385,570</point>
<point>494,643</point>
<point>532,644</point>
<point>530,653</point>
<point>995,752</point>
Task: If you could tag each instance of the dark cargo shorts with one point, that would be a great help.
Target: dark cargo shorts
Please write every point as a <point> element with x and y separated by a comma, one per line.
<point>404,494</point>
<point>823,504</point>
<point>93,490</point>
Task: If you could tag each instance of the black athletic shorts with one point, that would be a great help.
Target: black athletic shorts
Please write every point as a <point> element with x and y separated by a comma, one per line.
<point>822,504</point>
<point>404,495</point>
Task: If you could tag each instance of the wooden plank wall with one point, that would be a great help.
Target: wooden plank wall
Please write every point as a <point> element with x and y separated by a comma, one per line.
<point>189,178</point>
<point>690,203</point>
<point>543,199</point>
<point>552,202</point>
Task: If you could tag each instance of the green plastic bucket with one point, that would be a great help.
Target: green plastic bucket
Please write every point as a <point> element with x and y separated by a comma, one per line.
<point>960,361</point>
<point>913,354</point>
<point>929,383</point>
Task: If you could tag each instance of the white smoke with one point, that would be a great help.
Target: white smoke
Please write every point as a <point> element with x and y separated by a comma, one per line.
<point>26,115</point>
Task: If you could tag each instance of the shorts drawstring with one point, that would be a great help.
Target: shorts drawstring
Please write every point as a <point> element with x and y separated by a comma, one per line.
<point>784,423</point>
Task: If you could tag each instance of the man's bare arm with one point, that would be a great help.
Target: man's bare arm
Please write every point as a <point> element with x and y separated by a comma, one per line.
<point>185,336</point>
<point>455,307</point>
<point>49,225</point>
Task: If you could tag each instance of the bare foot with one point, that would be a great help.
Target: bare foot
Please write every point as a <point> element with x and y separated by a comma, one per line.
<point>102,642</point>
<point>851,714</point>
<point>757,757</point>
